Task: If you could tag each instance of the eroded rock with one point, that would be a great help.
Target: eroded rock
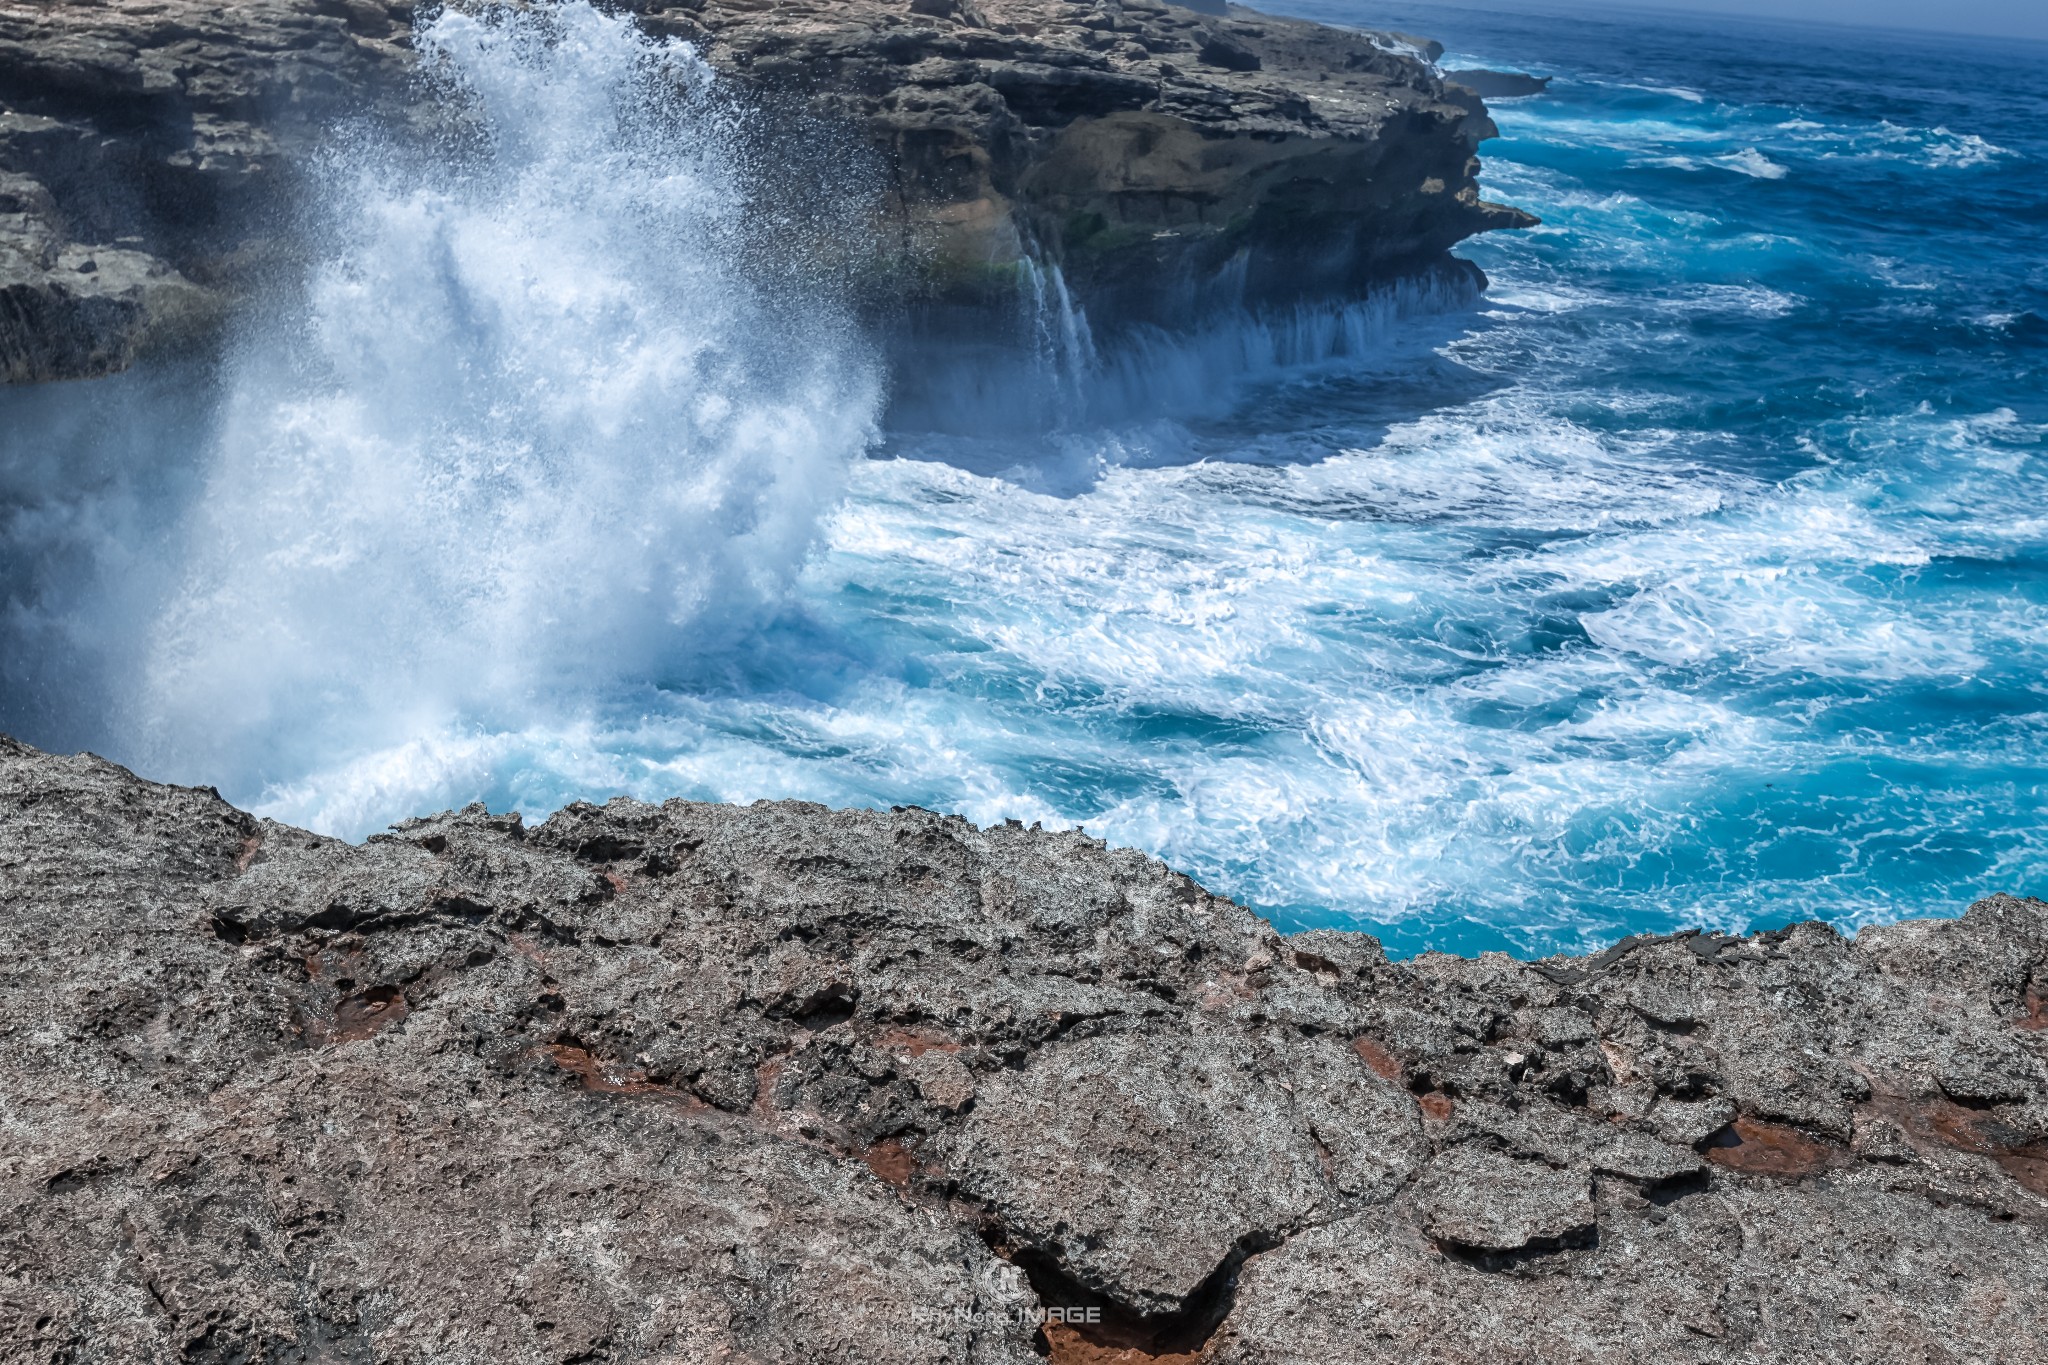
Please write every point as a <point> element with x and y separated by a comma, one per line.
<point>781,1083</point>
<point>1144,147</point>
<point>1477,1199</point>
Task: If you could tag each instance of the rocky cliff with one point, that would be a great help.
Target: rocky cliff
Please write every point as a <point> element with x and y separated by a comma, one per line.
<point>1168,158</point>
<point>781,1084</point>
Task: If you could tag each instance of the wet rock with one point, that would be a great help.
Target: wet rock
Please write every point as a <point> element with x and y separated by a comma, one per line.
<point>68,311</point>
<point>781,1083</point>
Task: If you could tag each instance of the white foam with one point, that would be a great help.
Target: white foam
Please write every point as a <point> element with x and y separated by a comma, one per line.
<point>540,436</point>
<point>1525,656</point>
<point>1753,163</point>
<point>1936,148</point>
<point>1756,299</point>
<point>1365,729</point>
<point>1964,149</point>
<point>1677,92</point>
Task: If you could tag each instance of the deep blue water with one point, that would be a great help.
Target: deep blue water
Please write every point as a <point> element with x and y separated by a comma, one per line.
<point>1697,576</point>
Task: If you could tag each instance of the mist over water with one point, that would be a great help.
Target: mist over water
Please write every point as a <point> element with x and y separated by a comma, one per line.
<point>1695,575</point>
<point>528,435</point>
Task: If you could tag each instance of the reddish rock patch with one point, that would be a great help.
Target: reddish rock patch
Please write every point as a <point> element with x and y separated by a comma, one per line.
<point>916,1041</point>
<point>1082,1344</point>
<point>1435,1105</point>
<point>610,1078</point>
<point>1317,966</point>
<point>2028,1167</point>
<point>367,1013</point>
<point>1383,1063</point>
<point>1943,1122</point>
<point>891,1162</point>
<point>2036,1017</point>
<point>334,1010</point>
<point>765,1076</point>
<point>1757,1147</point>
<point>528,949</point>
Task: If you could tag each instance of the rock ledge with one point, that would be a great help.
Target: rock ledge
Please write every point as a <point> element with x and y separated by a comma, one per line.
<point>779,1083</point>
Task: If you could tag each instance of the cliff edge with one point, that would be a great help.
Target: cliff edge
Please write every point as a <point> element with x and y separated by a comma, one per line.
<point>1168,158</point>
<point>785,1084</point>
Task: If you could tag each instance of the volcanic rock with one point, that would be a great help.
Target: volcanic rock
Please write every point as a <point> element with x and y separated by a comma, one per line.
<point>779,1083</point>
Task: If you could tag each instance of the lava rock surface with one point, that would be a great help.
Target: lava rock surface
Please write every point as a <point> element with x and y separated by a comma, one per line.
<point>784,1084</point>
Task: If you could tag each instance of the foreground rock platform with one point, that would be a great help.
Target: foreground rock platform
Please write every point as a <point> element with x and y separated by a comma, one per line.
<point>691,1083</point>
<point>1168,159</point>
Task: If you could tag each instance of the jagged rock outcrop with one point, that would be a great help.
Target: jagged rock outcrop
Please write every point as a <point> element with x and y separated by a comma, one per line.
<point>1499,85</point>
<point>778,1083</point>
<point>1167,157</point>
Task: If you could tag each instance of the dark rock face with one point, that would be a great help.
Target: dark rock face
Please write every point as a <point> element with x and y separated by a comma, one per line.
<point>140,143</point>
<point>1169,158</point>
<point>1499,85</point>
<point>778,1083</point>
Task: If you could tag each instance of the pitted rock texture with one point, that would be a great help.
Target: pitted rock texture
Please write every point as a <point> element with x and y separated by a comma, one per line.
<point>777,1083</point>
<point>1169,159</point>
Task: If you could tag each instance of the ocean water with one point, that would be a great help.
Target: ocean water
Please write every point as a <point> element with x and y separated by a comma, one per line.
<point>1695,575</point>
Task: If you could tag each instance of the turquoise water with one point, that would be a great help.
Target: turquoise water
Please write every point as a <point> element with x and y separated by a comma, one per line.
<point>1697,575</point>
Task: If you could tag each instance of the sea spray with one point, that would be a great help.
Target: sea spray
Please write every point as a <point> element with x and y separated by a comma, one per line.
<point>532,433</point>
<point>1074,382</point>
<point>1698,576</point>
<point>1062,342</point>
<point>1206,370</point>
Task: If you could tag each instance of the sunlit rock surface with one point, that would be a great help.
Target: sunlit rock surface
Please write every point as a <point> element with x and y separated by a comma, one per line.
<point>1167,159</point>
<point>779,1083</point>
